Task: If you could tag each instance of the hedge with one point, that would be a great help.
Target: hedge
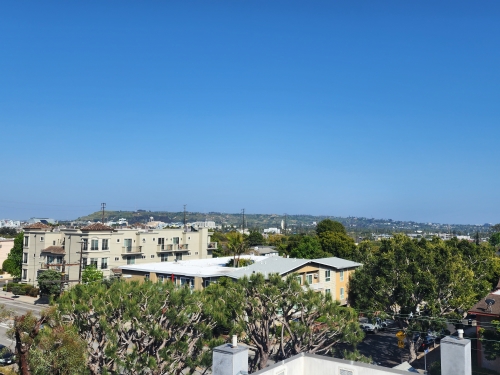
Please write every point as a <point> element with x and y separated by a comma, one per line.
<point>22,289</point>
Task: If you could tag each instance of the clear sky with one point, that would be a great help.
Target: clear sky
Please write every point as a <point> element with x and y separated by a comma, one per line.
<point>386,109</point>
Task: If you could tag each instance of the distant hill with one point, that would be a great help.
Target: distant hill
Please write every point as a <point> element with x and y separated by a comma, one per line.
<point>297,223</point>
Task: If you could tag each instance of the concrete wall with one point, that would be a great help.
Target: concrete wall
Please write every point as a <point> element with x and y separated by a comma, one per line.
<point>318,365</point>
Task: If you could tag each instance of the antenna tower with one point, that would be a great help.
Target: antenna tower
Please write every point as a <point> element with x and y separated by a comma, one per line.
<point>103,206</point>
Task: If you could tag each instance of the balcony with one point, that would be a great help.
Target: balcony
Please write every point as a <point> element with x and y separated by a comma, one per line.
<point>51,266</point>
<point>183,247</point>
<point>131,249</point>
<point>212,245</point>
<point>162,247</point>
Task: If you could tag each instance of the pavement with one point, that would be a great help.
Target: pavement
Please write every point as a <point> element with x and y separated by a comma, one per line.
<point>41,301</point>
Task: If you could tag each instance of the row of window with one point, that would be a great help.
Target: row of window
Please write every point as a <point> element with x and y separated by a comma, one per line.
<point>95,262</point>
<point>310,276</point>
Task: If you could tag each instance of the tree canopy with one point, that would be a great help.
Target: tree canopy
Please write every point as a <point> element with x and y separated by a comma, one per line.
<point>49,282</point>
<point>329,225</point>
<point>14,260</point>
<point>91,273</point>
<point>307,247</point>
<point>410,278</point>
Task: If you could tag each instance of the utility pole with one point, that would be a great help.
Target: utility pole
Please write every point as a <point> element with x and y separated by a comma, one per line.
<point>80,267</point>
<point>103,206</point>
<point>63,276</point>
<point>185,228</point>
<point>243,221</point>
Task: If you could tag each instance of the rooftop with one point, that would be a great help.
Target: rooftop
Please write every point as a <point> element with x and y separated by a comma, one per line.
<point>54,250</point>
<point>286,265</point>
<point>212,267</point>
<point>37,226</point>
<point>482,307</point>
<point>97,227</point>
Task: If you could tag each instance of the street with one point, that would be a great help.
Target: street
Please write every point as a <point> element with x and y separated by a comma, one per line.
<point>18,307</point>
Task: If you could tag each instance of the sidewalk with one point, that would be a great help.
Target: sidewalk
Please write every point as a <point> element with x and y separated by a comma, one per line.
<point>44,301</point>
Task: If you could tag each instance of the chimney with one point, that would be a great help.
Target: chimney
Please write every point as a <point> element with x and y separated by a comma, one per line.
<point>230,359</point>
<point>456,356</point>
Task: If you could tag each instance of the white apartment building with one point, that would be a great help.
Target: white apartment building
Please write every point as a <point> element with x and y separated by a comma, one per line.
<point>106,248</point>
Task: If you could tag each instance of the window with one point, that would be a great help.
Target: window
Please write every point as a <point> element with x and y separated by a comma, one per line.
<point>130,260</point>
<point>104,263</point>
<point>53,243</point>
<point>85,260</point>
<point>26,241</point>
<point>327,275</point>
<point>342,293</point>
<point>143,256</point>
<point>343,371</point>
<point>143,240</point>
<point>152,256</point>
<point>93,262</point>
<point>85,244</point>
<point>161,243</point>
<point>196,253</point>
<point>341,275</point>
<point>41,239</point>
<point>25,258</point>
<point>127,244</point>
<point>117,259</point>
<point>105,244</point>
<point>299,279</point>
<point>94,245</point>
<point>164,257</point>
<point>175,240</point>
<point>309,278</point>
<point>178,256</point>
<point>146,276</point>
<point>25,274</point>
<point>117,240</point>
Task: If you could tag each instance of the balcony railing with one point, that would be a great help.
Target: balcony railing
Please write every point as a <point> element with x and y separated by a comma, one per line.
<point>50,266</point>
<point>212,245</point>
<point>131,249</point>
<point>161,248</point>
<point>183,247</point>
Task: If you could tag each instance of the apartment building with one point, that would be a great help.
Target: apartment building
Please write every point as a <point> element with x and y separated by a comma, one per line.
<point>106,248</point>
<point>326,275</point>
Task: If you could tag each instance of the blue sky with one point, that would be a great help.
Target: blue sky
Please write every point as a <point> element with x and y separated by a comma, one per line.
<point>385,109</point>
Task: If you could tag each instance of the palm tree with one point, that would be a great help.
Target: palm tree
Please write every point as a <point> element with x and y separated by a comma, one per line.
<point>236,245</point>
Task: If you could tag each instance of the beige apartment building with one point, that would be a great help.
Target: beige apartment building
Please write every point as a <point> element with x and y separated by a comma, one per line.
<point>106,248</point>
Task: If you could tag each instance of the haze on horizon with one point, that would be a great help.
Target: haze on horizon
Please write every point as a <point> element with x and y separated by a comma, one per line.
<point>384,110</point>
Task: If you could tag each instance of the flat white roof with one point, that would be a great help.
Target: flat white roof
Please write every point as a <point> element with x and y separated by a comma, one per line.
<point>212,267</point>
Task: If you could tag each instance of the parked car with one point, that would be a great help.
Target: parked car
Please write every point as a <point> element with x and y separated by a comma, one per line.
<point>6,356</point>
<point>369,328</point>
<point>428,342</point>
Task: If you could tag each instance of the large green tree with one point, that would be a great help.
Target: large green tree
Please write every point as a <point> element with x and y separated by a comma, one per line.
<point>279,319</point>
<point>329,225</point>
<point>137,328</point>
<point>338,244</point>
<point>91,274</point>
<point>49,282</point>
<point>307,247</point>
<point>419,283</point>
<point>14,260</point>
<point>255,238</point>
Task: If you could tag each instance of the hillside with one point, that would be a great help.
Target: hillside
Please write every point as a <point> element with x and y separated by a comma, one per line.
<point>298,223</point>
